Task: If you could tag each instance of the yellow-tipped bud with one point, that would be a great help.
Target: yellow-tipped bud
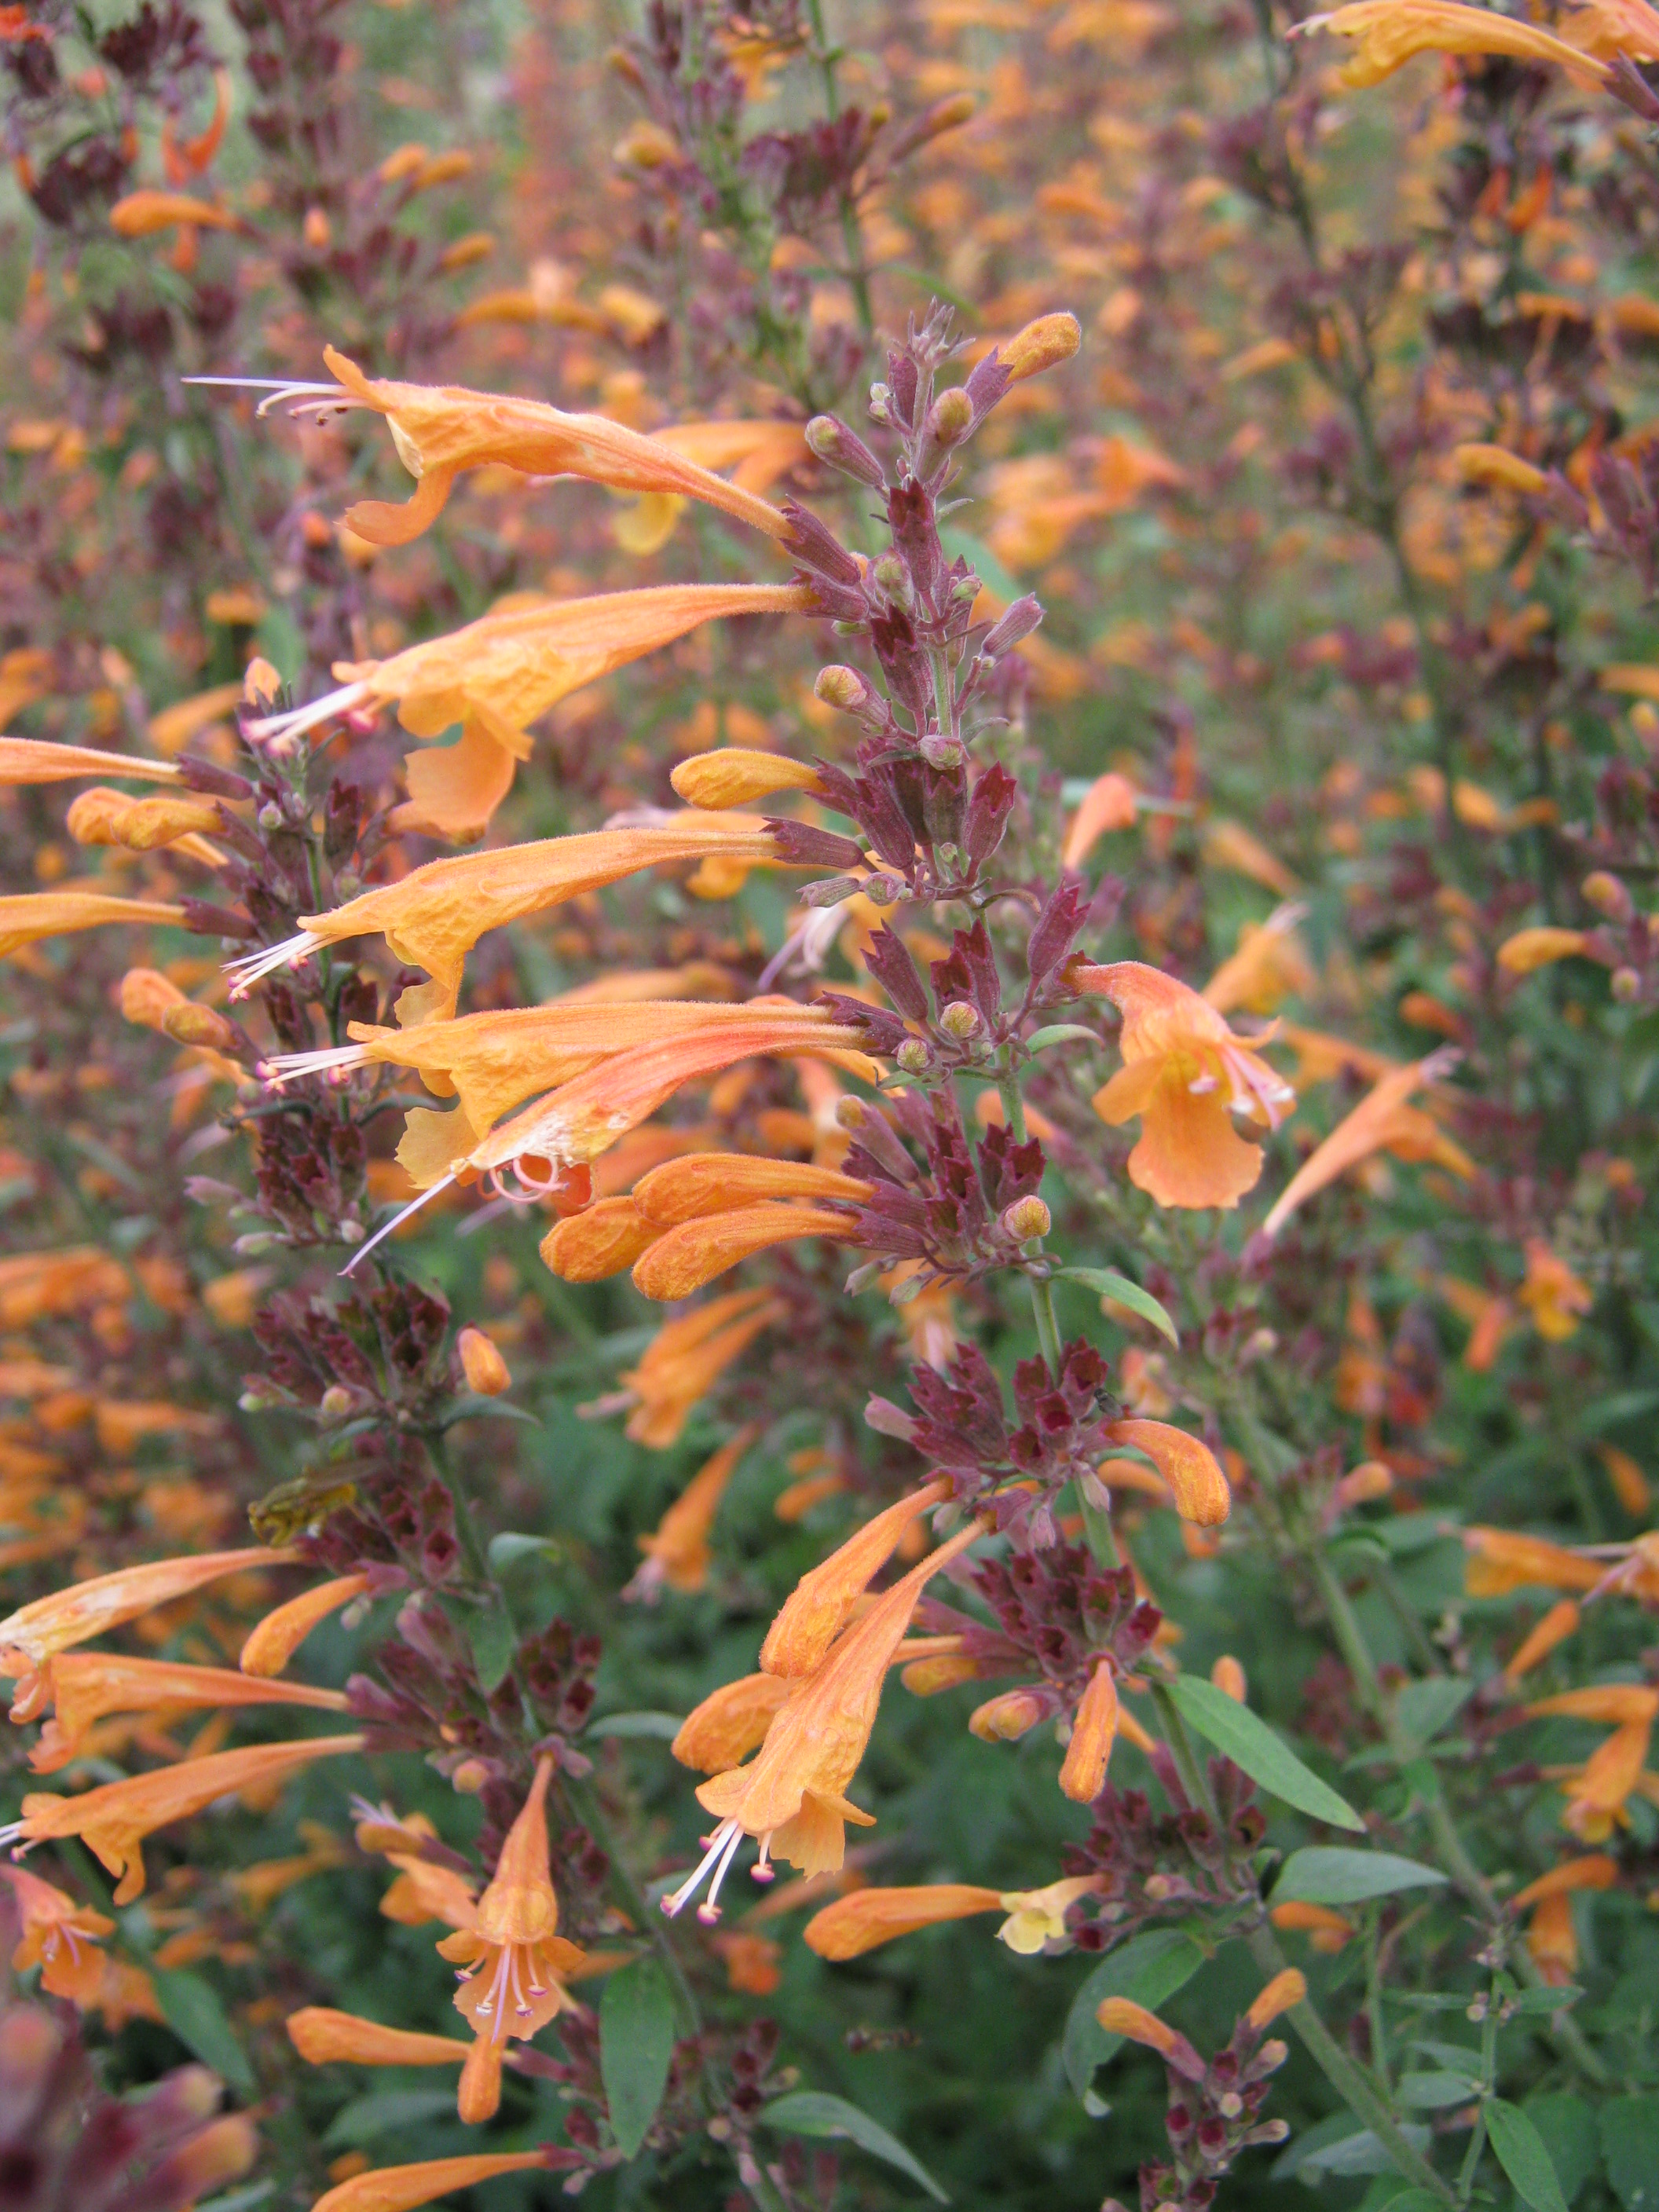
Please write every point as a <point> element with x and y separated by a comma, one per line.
<point>1285,1989</point>
<point>737,775</point>
<point>1004,1718</point>
<point>1041,344</point>
<point>481,1363</point>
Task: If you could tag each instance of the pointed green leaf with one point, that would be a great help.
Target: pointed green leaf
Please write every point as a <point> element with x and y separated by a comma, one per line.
<point>191,2009</point>
<point>666,1725</point>
<point>1122,1291</point>
<point>812,2112</point>
<point>1236,1732</point>
<point>1337,1876</point>
<point>1521,2153</point>
<point>1630,2144</point>
<point>636,2042</point>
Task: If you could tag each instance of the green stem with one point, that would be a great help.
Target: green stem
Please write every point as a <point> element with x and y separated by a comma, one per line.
<point>584,1801</point>
<point>1098,1532</point>
<point>1349,2080</point>
<point>1013,1107</point>
<point>1193,1779</point>
<point>857,275</point>
<point>1047,1328</point>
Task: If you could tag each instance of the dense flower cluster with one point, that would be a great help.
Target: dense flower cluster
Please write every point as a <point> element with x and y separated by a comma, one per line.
<point>931,958</point>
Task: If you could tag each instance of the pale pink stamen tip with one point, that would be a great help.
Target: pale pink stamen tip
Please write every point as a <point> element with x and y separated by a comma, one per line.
<point>762,1873</point>
<point>708,1914</point>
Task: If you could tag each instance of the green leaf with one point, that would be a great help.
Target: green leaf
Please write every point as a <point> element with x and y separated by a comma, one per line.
<point>490,1631</point>
<point>1249,1743</point>
<point>1338,1876</point>
<point>1147,1969</point>
<point>666,1725</point>
<point>1430,2092</point>
<point>470,1406</point>
<point>387,2112</point>
<point>1423,1709</point>
<point>1550,2000</point>
<point>812,2112</point>
<point>1630,2144</point>
<point>637,2041</point>
<point>1061,1033</point>
<point>1520,2151</point>
<point>508,1548</point>
<point>1110,1285</point>
<point>191,2009</point>
<point>1567,2125</point>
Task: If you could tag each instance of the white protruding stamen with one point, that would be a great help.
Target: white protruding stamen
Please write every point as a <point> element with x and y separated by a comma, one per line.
<point>397,1222</point>
<point>288,1066</point>
<point>254,967</point>
<point>270,728</point>
<point>318,400</point>
<point>722,1845</point>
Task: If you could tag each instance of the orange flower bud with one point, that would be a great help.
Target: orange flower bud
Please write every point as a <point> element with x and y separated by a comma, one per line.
<point>1553,1940</point>
<point>1041,344</point>
<point>141,215</point>
<point>479,2095</point>
<point>104,817</point>
<point>1630,1484</point>
<point>1122,2016</point>
<point>1529,949</point>
<point>738,774</point>
<point>1499,469</point>
<point>1501,1560</point>
<point>682,1260</point>
<point>323,2037</point>
<point>401,2188</point>
<point>1001,1719</point>
<point>481,1363</point>
<point>731,1721</point>
<point>703,1183</point>
<point>1327,1930</point>
<point>1083,1772</point>
<point>1286,1989</point>
<point>270,1645</point>
<point>854,1924</point>
<point>1189,1467</point>
<point>1560,1622</point>
<point>607,1236</point>
<point>1227,1675</point>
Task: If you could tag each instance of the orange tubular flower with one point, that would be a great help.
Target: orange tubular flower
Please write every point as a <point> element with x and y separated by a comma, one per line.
<point>495,676</point>
<point>440,431</point>
<point>858,1924</point>
<point>1110,803</point>
<point>280,1634</point>
<point>792,1795</point>
<point>1391,32</point>
<point>681,1260</point>
<point>1327,1931</point>
<point>511,1953</point>
<point>113,1820</point>
<point>1184,1069</point>
<point>1083,1772</point>
<point>104,816</point>
<point>1375,1123</point>
<point>323,2037</point>
<point>34,915</point>
<point>1288,1988</point>
<point>1595,1871</point>
<point>822,1602</point>
<point>496,1060</point>
<point>1529,949</point>
<point>34,760</point>
<point>1500,1561</point>
<point>59,1937</point>
<point>401,2188</point>
<point>1190,1469</point>
<point>676,1553</point>
<point>1556,1298</point>
<point>686,1359</point>
<point>32,1635</point>
<point>87,1686</point>
<point>434,915</point>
